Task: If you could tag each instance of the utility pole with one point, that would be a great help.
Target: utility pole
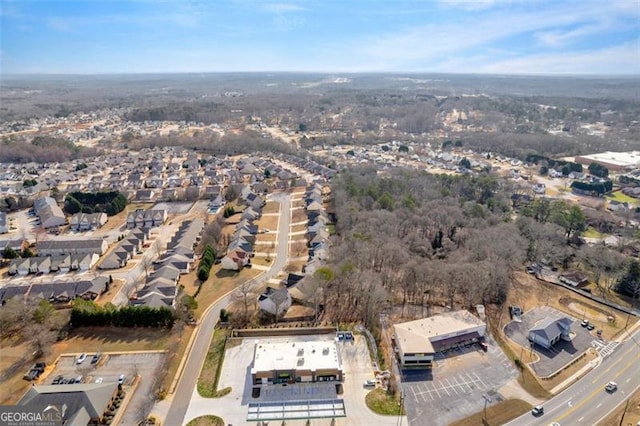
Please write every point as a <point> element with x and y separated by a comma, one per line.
<point>486,399</point>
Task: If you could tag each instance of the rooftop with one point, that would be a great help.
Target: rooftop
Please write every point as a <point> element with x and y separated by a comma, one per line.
<point>314,355</point>
<point>415,336</point>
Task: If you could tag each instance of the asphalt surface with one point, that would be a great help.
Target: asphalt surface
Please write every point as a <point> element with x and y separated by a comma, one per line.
<point>586,402</point>
<point>196,356</point>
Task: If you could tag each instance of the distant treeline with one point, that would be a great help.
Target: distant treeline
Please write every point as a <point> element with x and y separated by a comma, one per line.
<point>229,144</point>
<point>111,202</point>
<point>42,149</point>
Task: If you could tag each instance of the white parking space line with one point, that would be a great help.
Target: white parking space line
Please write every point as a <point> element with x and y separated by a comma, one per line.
<point>455,386</point>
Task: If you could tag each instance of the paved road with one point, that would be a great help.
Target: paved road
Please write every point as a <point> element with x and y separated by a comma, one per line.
<point>196,356</point>
<point>586,402</point>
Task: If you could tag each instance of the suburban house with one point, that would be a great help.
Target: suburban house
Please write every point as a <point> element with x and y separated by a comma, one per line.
<point>254,201</point>
<point>76,404</point>
<point>49,212</point>
<point>275,301</point>
<point>75,246</point>
<point>141,218</point>
<point>235,260</point>
<point>18,292</point>
<point>417,342</point>
<point>85,222</point>
<point>277,363</point>
<point>549,331</point>
<point>55,263</point>
<point>574,279</point>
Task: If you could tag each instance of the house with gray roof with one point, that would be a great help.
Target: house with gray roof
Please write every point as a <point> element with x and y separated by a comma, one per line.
<point>275,301</point>
<point>549,331</point>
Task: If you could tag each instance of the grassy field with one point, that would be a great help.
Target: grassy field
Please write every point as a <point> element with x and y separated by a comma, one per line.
<point>207,421</point>
<point>268,222</point>
<point>497,414</point>
<point>380,402</point>
<point>592,233</point>
<point>208,380</point>
<point>271,207</point>
<point>622,198</point>
<point>219,283</point>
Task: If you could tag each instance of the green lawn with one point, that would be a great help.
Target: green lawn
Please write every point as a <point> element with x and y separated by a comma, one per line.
<point>208,380</point>
<point>620,197</point>
<point>380,402</point>
<point>592,233</point>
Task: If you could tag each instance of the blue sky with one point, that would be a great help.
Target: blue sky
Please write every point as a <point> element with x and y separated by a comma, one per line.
<point>481,36</point>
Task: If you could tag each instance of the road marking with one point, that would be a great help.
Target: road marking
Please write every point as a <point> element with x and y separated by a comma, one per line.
<point>628,380</point>
<point>581,419</point>
<point>598,391</point>
<point>599,405</point>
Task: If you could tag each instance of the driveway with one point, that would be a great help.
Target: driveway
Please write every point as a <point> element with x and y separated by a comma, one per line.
<point>560,354</point>
<point>195,357</point>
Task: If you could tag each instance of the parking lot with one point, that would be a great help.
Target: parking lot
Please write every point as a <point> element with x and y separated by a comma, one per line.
<point>454,388</point>
<point>108,369</point>
<point>560,354</point>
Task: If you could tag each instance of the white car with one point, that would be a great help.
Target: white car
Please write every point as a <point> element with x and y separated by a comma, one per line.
<point>81,358</point>
<point>98,380</point>
<point>611,387</point>
<point>369,383</point>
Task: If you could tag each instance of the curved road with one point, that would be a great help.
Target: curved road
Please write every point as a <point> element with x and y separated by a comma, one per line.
<point>586,402</point>
<point>204,333</point>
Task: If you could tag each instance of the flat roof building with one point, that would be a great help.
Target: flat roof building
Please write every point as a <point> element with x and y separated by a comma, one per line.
<point>293,362</point>
<point>418,341</point>
<point>615,161</point>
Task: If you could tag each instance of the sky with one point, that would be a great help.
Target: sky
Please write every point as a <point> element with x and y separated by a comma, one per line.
<point>172,36</point>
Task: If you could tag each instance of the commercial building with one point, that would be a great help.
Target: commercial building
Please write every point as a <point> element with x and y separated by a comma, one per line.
<point>417,342</point>
<point>296,362</point>
<point>549,331</point>
<point>614,161</point>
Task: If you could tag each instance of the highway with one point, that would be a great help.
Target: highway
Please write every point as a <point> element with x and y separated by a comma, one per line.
<point>197,353</point>
<point>586,402</point>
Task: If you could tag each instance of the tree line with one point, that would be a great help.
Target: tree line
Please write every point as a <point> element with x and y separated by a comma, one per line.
<point>87,313</point>
<point>109,202</point>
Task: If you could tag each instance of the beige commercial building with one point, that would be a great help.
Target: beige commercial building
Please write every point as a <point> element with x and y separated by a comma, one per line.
<point>417,342</point>
<point>296,362</point>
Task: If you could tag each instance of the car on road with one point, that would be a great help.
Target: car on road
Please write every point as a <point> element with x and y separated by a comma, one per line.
<point>538,410</point>
<point>611,387</point>
<point>590,327</point>
<point>584,323</point>
<point>121,379</point>
<point>81,358</point>
<point>369,383</point>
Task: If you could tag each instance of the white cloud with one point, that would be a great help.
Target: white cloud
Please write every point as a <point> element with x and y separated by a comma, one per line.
<point>283,7</point>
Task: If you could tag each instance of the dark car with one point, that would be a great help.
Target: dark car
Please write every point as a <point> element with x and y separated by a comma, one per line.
<point>95,358</point>
<point>538,410</point>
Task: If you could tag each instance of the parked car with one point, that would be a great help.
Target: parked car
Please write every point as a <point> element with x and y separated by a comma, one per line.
<point>590,327</point>
<point>81,358</point>
<point>611,387</point>
<point>79,379</point>
<point>369,383</point>
<point>538,410</point>
<point>584,323</point>
<point>57,380</point>
<point>121,379</point>
<point>98,380</point>
<point>96,357</point>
